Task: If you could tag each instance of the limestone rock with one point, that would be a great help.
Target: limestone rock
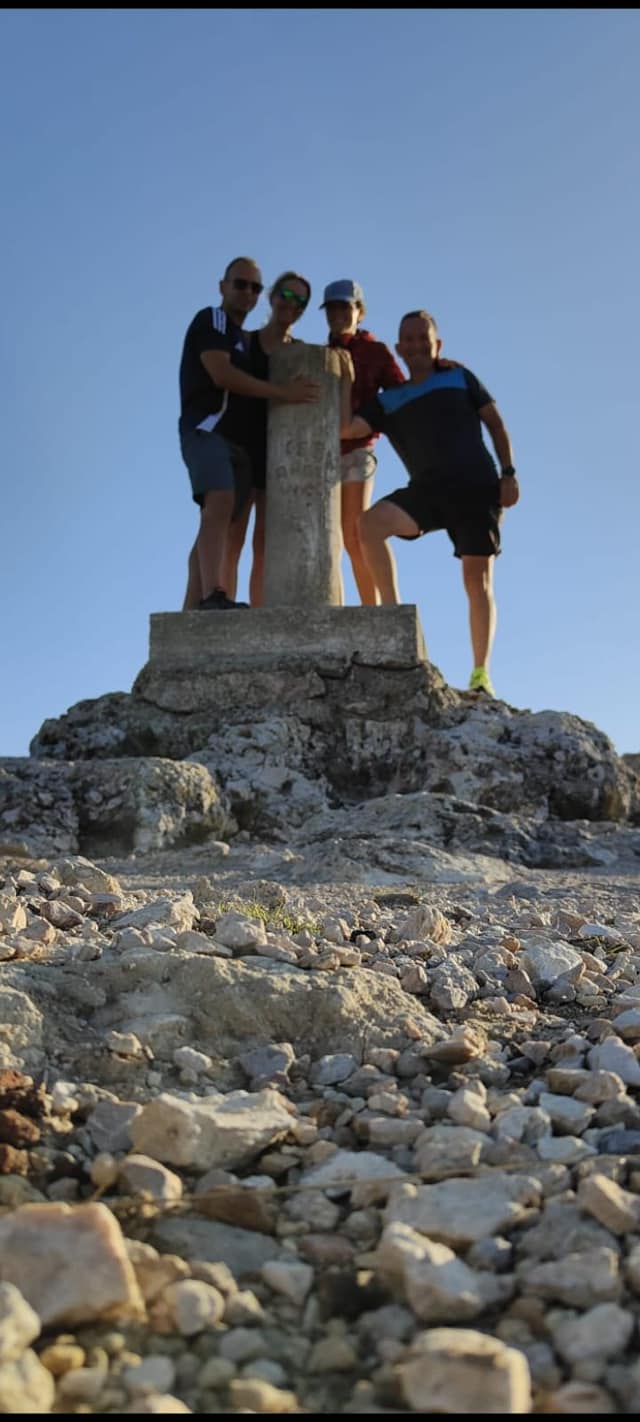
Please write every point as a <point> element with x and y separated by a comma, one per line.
<point>19,1324</point>
<point>460,1212</point>
<point>37,806</point>
<point>579,1280</point>
<point>350,1169</point>
<point>439,1287</point>
<point>459,1370</point>
<point>69,1262</point>
<point>243,1250</point>
<point>601,1332</point>
<point>139,1174</point>
<point>25,1386</point>
<point>545,961</point>
<point>442,1151</point>
<point>20,1028</point>
<point>617,1209</point>
<point>100,807</point>
<point>232,1003</point>
<point>225,1133</point>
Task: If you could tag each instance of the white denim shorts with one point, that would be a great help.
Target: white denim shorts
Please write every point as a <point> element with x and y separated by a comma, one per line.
<point>357,465</point>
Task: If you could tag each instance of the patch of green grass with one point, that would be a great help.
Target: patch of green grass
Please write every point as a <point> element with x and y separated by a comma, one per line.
<point>395,898</point>
<point>273,916</point>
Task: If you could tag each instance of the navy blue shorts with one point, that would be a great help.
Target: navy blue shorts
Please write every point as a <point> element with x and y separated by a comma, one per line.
<point>215,465</point>
<point>471,516</point>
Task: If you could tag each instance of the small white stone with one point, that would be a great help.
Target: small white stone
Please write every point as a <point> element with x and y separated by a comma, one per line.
<point>292,1280</point>
<point>124,1044</point>
<point>64,1098</point>
<point>190,1060</point>
<point>104,1170</point>
<point>26,1386</point>
<point>156,1373</point>
<point>19,1323</point>
<point>195,1306</point>
<point>139,1174</point>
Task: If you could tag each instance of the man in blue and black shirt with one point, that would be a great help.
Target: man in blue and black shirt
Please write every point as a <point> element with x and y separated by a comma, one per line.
<point>434,422</point>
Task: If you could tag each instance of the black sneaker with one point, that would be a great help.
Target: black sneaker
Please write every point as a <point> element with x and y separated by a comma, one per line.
<point>217,601</point>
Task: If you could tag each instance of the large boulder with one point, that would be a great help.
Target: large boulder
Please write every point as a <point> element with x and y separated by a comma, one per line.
<point>225,1004</point>
<point>104,807</point>
<point>523,761</point>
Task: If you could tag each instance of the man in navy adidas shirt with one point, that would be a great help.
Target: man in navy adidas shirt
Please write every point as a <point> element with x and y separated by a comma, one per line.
<point>215,365</point>
<point>434,422</point>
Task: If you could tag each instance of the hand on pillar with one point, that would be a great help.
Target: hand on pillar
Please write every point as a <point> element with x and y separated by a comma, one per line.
<point>299,391</point>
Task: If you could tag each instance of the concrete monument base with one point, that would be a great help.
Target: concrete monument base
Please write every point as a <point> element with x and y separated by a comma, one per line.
<point>239,639</point>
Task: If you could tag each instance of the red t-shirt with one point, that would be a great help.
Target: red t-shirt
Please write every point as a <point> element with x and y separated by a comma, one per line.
<point>375,369</point>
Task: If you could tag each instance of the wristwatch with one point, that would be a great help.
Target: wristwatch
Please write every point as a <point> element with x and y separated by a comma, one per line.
<point>508,473</point>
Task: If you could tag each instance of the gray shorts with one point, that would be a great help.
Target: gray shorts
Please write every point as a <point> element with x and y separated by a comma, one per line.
<point>357,466</point>
<point>215,464</point>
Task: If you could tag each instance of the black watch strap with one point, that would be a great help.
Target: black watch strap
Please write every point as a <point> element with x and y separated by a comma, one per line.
<point>508,473</point>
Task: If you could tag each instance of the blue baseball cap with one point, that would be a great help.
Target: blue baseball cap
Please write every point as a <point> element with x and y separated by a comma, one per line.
<point>343,291</point>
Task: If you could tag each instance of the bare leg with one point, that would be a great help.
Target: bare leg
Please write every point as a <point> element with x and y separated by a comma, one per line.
<point>356,498</point>
<point>256,580</point>
<point>193,594</point>
<point>376,526</point>
<point>215,518</point>
<point>478,581</point>
<point>236,535</point>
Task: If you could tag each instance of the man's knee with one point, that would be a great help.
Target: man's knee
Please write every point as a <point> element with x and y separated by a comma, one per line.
<point>371,524</point>
<point>217,505</point>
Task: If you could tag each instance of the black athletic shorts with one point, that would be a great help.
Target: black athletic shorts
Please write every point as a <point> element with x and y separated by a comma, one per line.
<point>471,516</point>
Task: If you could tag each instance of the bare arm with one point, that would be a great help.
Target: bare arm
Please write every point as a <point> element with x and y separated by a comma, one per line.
<point>351,426</point>
<point>299,391</point>
<point>347,377</point>
<point>356,428</point>
<point>491,417</point>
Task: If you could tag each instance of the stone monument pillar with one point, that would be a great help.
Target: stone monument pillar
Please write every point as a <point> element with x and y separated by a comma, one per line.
<point>303,543</point>
<point>268,656</point>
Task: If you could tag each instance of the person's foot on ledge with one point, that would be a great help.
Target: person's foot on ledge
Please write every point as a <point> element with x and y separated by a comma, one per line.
<point>481,681</point>
<point>217,601</point>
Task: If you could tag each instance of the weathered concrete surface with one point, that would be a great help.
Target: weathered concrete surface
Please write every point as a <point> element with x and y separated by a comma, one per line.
<point>221,695</point>
<point>374,636</point>
<point>303,542</point>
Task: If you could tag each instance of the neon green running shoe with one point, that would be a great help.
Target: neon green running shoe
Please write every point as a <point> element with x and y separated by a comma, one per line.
<point>481,681</point>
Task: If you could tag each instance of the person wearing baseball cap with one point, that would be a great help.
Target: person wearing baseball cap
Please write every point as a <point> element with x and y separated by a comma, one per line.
<point>375,368</point>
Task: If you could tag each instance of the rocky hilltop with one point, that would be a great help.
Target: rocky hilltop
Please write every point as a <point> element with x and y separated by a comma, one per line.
<point>319,1052</point>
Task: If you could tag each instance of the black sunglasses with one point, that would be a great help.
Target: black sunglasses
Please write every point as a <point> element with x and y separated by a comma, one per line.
<point>241,284</point>
<point>288,295</point>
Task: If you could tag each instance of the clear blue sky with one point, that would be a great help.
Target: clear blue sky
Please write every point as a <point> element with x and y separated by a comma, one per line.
<point>483,165</point>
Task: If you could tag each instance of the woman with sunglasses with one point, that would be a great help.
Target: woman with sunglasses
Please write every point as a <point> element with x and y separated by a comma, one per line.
<point>374,369</point>
<point>245,423</point>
